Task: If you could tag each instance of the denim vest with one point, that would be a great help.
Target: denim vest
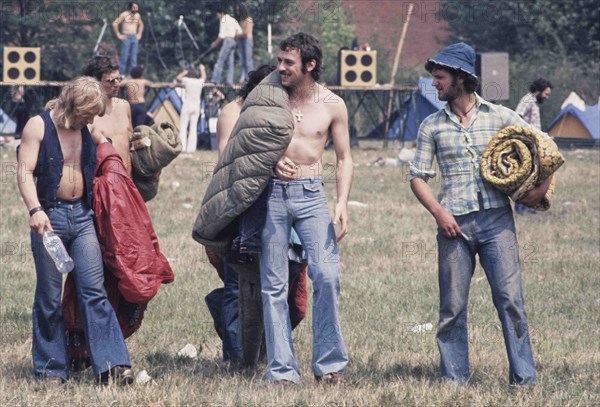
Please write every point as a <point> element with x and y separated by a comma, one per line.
<point>49,168</point>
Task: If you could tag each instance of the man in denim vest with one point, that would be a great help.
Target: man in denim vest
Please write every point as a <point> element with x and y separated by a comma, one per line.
<point>57,150</point>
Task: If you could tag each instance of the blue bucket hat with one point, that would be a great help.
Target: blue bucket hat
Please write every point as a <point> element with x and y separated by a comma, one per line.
<point>457,56</point>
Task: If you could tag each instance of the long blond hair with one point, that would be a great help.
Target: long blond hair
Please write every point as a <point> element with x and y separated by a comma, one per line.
<point>83,96</point>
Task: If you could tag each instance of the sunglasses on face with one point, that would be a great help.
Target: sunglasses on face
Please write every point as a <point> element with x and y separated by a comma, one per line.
<point>113,81</point>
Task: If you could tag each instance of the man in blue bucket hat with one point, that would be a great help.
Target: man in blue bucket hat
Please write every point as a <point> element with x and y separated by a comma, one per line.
<point>472,216</point>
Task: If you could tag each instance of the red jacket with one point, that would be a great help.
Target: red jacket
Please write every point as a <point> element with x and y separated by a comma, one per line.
<point>127,239</point>
<point>134,267</point>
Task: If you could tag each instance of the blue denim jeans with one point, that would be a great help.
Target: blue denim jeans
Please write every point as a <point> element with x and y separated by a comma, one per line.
<point>214,302</point>
<point>300,204</point>
<point>491,234</point>
<point>73,223</point>
<point>223,304</point>
<point>226,54</point>
<point>129,52</point>
<point>232,339</point>
<point>252,222</point>
<point>245,50</point>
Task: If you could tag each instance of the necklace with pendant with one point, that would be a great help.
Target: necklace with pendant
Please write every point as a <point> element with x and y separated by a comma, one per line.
<point>297,106</point>
<point>461,117</point>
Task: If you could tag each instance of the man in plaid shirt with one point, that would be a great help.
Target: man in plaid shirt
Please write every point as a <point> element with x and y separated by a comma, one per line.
<point>529,110</point>
<point>472,216</point>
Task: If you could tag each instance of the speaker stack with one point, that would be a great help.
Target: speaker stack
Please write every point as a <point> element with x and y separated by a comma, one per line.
<point>21,65</point>
<point>358,68</point>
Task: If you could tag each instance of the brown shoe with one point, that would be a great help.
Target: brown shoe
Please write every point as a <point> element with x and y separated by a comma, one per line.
<point>334,378</point>
<point>120,375</point>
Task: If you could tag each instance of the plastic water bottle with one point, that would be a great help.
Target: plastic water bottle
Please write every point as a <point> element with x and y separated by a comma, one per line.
<point>55,248</point>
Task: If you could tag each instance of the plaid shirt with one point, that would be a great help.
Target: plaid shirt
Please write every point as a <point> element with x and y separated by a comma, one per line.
<point>458,152</point>
<point>529,110</point>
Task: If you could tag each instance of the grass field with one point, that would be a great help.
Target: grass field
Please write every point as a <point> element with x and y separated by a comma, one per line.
<point>389,286</point>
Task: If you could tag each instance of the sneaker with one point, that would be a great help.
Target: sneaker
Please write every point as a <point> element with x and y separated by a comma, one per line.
<point>334,378</point>
<point>121,375</point>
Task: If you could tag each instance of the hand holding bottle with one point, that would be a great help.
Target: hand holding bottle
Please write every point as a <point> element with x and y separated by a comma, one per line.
<point>57,251</point>
<point>39,222</point>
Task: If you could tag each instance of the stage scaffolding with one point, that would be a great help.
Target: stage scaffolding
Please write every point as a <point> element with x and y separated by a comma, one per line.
<point>366,106</point>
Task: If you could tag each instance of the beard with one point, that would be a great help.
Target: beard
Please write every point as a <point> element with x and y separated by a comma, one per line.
<point>451,93</point>
<point>539,99</point>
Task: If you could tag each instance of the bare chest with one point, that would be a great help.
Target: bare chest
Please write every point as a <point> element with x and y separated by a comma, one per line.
<point>113,124</point>
<point>70,145</point>
<point>310,135</point>
<point>117,127</point>
<point>311,122</point>
<point>131,20</point>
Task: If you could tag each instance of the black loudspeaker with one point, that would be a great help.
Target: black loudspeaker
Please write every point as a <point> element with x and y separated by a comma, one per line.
<point>21,65</point>
<point>358,68</point>
<point>492,70</point>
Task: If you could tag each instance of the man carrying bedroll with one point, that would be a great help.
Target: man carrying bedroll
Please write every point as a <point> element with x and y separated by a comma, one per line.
<point>472,216</point>
<point>296,199</point>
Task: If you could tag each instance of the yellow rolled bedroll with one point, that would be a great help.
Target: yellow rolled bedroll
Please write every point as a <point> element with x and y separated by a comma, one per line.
<point>517,159</point>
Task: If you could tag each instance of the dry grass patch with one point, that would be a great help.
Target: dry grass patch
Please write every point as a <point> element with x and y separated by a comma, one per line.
<point>389,287</point>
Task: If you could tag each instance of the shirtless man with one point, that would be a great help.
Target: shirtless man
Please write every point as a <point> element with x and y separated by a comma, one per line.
<point>232,110</point>
<point>136,87</point>
<point>116,122</point>
<point>132,28</point>
<point>296,199</point>
<point>60,200</point>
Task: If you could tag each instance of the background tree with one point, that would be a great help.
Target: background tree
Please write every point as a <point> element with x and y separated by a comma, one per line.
<point>173,45</point>
<point>327,21</point>
<point>556,40</point>
<point>67,32</point>
<point>570,27</point>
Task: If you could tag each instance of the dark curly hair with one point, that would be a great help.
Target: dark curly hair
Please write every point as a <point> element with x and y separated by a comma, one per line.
<point>254,78</point>
<point>98,66</point>
<point>539,85</point>
<point>241,11</point>
<point>470,82</point>
<point>137,72</point>
<point>309,48</point>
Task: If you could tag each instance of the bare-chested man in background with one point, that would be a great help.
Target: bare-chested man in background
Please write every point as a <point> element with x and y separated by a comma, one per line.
<point>130,35</point>
<point>135,88</point>
<point>296,199</point>
<point>116,122</point>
